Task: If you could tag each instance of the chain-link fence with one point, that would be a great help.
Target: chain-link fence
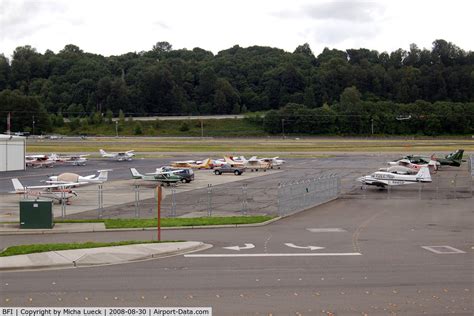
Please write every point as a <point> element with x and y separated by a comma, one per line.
<point>300,195</point>
<point>471,164</point>
<point>139,200</point>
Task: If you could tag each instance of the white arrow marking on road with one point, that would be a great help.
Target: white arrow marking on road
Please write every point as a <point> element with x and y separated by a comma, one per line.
<point>307,247</point>
<point>247,246</point>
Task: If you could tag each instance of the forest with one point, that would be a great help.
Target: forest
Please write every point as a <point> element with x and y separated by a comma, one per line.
<point>356,91</point>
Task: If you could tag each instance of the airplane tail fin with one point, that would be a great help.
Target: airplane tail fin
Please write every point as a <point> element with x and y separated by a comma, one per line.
<point>102,152</point>
<point>135,173</point>
<point>423,175</point>
<point>433,165</point>
<point>207,163</point>
<point>17,185</point>
<point>458,154</point>
<point>228,160</point>
<point>103,174</point>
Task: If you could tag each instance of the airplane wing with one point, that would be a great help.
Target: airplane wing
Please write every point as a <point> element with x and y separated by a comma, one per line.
<point>54,185</point>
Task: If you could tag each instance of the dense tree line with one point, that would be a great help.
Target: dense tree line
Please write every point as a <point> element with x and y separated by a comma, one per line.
<point>351,115</point>
<point>75,83</point>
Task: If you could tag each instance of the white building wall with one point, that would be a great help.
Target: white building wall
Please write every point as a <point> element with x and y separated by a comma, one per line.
<point>12,153</point>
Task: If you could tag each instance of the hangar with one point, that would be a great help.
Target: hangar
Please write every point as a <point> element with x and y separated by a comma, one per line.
<point>12,152</point>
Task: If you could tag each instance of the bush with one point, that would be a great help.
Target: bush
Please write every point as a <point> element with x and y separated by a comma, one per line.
<point>138,128</point>
<point>184,127</point>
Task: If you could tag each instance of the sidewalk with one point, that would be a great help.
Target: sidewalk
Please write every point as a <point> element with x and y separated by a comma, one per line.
<point>98,256</point>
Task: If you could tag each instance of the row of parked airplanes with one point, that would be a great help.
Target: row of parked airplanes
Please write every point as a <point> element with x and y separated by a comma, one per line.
<point>60,187</point>
<point>254,163</point>
<point>411,169</point>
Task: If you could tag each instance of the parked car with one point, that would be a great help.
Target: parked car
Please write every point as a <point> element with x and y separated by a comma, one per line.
<point>186,174</point>
<point>228,169</point>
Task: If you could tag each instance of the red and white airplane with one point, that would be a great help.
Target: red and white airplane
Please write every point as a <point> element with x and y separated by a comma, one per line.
<point>39,161</point>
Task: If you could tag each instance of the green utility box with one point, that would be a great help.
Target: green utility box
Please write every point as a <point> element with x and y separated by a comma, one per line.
<point>36,214</point>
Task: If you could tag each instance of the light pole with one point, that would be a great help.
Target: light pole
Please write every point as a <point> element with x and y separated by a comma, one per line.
<point>116,128</point>
<point>33,124</point>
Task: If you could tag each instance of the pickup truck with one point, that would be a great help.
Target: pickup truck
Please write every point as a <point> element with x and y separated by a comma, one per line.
<point>228,169</point>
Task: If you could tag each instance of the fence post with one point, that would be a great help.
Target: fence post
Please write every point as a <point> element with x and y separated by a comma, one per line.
<point>137,197</point>
<point>100,200</point>
<point>209,200</point>
<point>279,207</point>
<point>454,186</point>
<point>244,199</point>
<point>173,202</point>
<point>63,203</point>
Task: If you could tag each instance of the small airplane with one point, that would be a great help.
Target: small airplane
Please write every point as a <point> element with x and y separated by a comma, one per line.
<point>119,156</point>
<point>404,166</point>
<point>206,164</point>
<point>163,178</point>
<point>75,160</point>
<point>383,178</point>
<point>253,163</point>
<point>453,159</point>
<point>68,178</point>
<point>39,161</point>
<point>275,161</point>
<point>58,192</point>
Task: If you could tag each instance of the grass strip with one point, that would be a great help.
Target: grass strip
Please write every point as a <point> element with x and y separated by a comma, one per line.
<point>173,222</point>
<point>176,222</point>
<point>36,248</point>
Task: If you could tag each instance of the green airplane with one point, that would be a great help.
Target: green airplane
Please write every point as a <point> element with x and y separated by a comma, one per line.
<point>164,178</point>
<point>452,159</point>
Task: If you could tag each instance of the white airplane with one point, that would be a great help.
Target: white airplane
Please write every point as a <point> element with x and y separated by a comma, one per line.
<point>120,156</point>
<point>253,163</point>
<point>57,192</point>
<point>275,161</point>
<point>404,166</point>
<point>383,178</point>
<point>72,178</point>
<point>75,160</point>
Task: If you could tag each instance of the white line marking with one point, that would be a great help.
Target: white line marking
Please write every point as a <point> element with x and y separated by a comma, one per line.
<point>326,230</point>
<point>238,248</point>
<point>307,247</point>
<point>439,249</point>
<point>235,255</point>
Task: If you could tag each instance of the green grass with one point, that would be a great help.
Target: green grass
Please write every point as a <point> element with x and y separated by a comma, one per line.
<point>27,249</point>
<point>174,222</point>
<point>213,128</point>
<point>261,146</point>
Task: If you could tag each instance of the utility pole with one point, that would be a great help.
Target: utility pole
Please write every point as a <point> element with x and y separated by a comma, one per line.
<point>116,128</point>
<point>372,125</point>
<point>33,125</point>
<point>283,127</point>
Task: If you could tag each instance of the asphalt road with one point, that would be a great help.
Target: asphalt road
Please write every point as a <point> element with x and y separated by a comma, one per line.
<point>392,275</point>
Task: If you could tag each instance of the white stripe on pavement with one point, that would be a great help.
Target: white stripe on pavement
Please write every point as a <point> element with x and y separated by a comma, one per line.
<point>234,255</point>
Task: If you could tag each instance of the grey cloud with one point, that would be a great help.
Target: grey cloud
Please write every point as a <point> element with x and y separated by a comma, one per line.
<point>162,25</point>
<point>19,19</point>
<point>354,11</point>
<point>334,33</point>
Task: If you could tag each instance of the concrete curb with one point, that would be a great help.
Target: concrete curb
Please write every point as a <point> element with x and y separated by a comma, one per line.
<point>99,256</point>
<point>98,230</point>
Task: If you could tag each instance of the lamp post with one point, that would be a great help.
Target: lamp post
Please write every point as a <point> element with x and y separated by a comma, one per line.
<point>33,124</point>
<point>116,128</point>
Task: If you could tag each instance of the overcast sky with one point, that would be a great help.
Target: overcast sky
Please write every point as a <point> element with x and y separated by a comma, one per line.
<point>119,26</point>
